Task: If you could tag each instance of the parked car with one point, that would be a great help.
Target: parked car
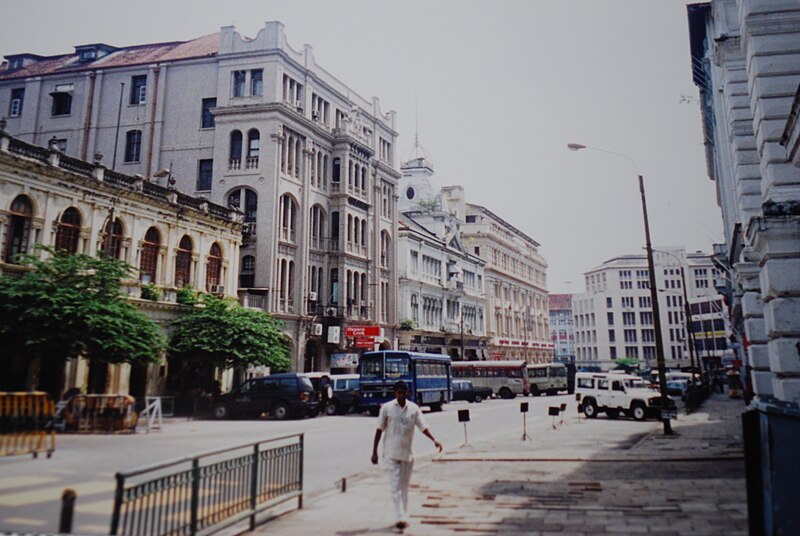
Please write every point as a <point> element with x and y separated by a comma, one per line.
<point>464,390</point>
<point>677,387</point>
<point>346,395</point>
<point>615,394</point>
<point>282,396</point>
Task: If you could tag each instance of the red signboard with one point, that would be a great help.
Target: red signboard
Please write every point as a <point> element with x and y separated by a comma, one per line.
<point>364,342</point>
<point>362,331</point>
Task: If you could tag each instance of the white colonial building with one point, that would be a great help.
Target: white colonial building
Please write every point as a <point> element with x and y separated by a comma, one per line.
<point>442,308</point>
<point>252,124</point>
<point>174,240</point>
<point>515,282</point>
<point>614,316</point>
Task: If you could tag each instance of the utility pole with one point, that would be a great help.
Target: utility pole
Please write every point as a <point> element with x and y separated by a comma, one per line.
<point>662,369</point>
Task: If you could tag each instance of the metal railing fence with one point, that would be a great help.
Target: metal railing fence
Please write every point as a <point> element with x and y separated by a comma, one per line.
<point>205,493</point>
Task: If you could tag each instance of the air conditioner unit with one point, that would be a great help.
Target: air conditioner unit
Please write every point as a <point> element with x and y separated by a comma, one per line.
<point>217,289</point>
<point>316,329</point>
<point>330,311</point>
<point>315,115</point>
<point>312,296</point>
<point>249,229</point>
<point>299,105</point>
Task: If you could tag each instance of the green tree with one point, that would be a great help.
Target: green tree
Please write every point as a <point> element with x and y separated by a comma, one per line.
<point>223,334</point>
<point>69,306</point>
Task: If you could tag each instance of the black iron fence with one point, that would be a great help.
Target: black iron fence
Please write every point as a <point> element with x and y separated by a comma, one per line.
<point>210,491</point>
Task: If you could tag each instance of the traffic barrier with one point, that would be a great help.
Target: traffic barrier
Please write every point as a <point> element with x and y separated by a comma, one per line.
<point>100,413</point>
<point>26,424</point>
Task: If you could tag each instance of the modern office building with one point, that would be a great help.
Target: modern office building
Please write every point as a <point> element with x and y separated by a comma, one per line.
<point>613,317</point>
<point>246,123</point>
<point>173,239</point>
<point>442,308</point>
<point>562,327</point>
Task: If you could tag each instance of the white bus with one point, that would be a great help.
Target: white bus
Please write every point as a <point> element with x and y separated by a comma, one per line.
<point>547,378</point>
<point>506,379</point>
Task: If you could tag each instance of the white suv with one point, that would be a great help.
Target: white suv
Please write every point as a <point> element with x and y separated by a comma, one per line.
<point>617,393</point>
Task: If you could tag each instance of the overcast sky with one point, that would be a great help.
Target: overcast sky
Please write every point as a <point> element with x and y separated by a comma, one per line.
<point>498,88</point>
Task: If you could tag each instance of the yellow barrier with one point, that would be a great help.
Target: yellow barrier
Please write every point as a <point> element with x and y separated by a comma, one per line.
<point>26,424</point>
<point>100,413</point>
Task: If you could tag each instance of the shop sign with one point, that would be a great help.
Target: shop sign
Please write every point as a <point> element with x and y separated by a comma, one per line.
<point>333,334</point>
<point>362,331</point>
<point>364,342</point>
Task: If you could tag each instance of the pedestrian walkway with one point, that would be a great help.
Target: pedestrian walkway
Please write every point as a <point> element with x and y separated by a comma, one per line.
<point>585,477</point>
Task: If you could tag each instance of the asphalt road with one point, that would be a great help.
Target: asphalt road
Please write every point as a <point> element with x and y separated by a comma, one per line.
<point>336,447</point>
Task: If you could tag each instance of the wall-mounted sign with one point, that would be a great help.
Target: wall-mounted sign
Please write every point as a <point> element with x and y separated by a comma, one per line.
<point>364,342</point>
<point>344,360</point>
<point>362,331</point>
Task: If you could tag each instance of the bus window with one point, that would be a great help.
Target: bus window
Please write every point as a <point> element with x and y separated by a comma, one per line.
<point>396,367</point>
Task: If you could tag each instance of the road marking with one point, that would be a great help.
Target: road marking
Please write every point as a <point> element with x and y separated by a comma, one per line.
<point>24,521</point>
<point>54,493</point>
<point>22,481</point>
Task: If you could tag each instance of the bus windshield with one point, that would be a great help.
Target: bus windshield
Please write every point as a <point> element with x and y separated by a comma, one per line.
<point>372,367</point>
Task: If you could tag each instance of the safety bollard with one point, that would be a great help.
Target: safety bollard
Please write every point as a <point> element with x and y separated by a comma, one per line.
<point>68,498</point>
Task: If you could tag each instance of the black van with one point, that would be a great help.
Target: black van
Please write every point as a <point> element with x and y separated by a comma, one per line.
<point>280,395</point>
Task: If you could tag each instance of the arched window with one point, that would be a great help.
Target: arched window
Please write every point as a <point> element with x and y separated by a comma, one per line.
<point>112,239</point>
<point>69,230</point>
<point>19,228</point>
<point>148,263</point>
<point>317,226</point>
<point>386,244</point>
<point>235,161</point>
<point>183,262</point>
<point>414,308</point>
<point>337,167</point>
<point>253,147</point>
<point>133,145</point>
<point>288,218</point>
<point>247,273</point>
<point>364,234</point>
<point>250,205</point>
<point>213,267</point>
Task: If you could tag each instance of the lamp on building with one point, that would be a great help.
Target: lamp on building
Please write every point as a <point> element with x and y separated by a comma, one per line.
<point>662,371</point>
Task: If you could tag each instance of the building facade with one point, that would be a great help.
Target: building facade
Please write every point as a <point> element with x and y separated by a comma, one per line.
<point>613,317</point>
<point>515,282</point>
<point>442,308</point>
<point>745,64</point>
<point>562,327</point>
<point>174,240</point>
<point>251,124</point>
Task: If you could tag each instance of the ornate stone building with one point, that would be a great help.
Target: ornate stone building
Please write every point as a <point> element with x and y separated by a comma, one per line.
<point>172,239</point>
<point>246,123</point>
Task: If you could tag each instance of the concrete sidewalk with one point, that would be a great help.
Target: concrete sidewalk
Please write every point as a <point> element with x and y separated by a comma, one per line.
<point>586,477</point>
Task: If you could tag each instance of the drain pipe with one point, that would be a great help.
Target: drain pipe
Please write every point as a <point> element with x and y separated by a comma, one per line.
<point>156,72</point>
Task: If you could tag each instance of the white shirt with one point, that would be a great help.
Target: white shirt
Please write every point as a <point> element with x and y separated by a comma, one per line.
<point>397,424</point>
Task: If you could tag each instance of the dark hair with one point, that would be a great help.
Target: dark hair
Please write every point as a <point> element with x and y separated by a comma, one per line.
<point>400,386</point>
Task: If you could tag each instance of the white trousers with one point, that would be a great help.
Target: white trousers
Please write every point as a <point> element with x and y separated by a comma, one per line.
<point>399,479</point>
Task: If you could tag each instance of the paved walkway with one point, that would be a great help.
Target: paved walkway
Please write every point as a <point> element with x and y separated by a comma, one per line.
<point>586,477</point>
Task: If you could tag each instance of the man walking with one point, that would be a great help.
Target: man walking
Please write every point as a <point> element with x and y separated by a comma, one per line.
<point>397,420</point>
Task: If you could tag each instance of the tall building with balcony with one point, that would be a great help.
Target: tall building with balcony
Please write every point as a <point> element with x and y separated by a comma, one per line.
<point>515,282</point>
<point>562,329</point>
<point>442,308</point>
<point>613,317</point>
<point>252,124</point>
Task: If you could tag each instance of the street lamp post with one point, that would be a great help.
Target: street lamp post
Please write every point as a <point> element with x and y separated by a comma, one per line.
<point>662,370</point>
<point>686,311</point>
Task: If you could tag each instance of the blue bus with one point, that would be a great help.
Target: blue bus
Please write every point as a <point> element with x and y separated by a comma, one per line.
<point>427,376</point>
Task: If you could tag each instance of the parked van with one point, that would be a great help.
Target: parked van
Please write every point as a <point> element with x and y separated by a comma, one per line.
<point>615,394</point>
<point>280,395</point>
<point>346,395</point>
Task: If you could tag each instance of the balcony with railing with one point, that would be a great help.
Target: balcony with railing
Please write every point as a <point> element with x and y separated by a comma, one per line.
<point>251,162</point>
<point>288,234</point>
<point>235,164</point>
